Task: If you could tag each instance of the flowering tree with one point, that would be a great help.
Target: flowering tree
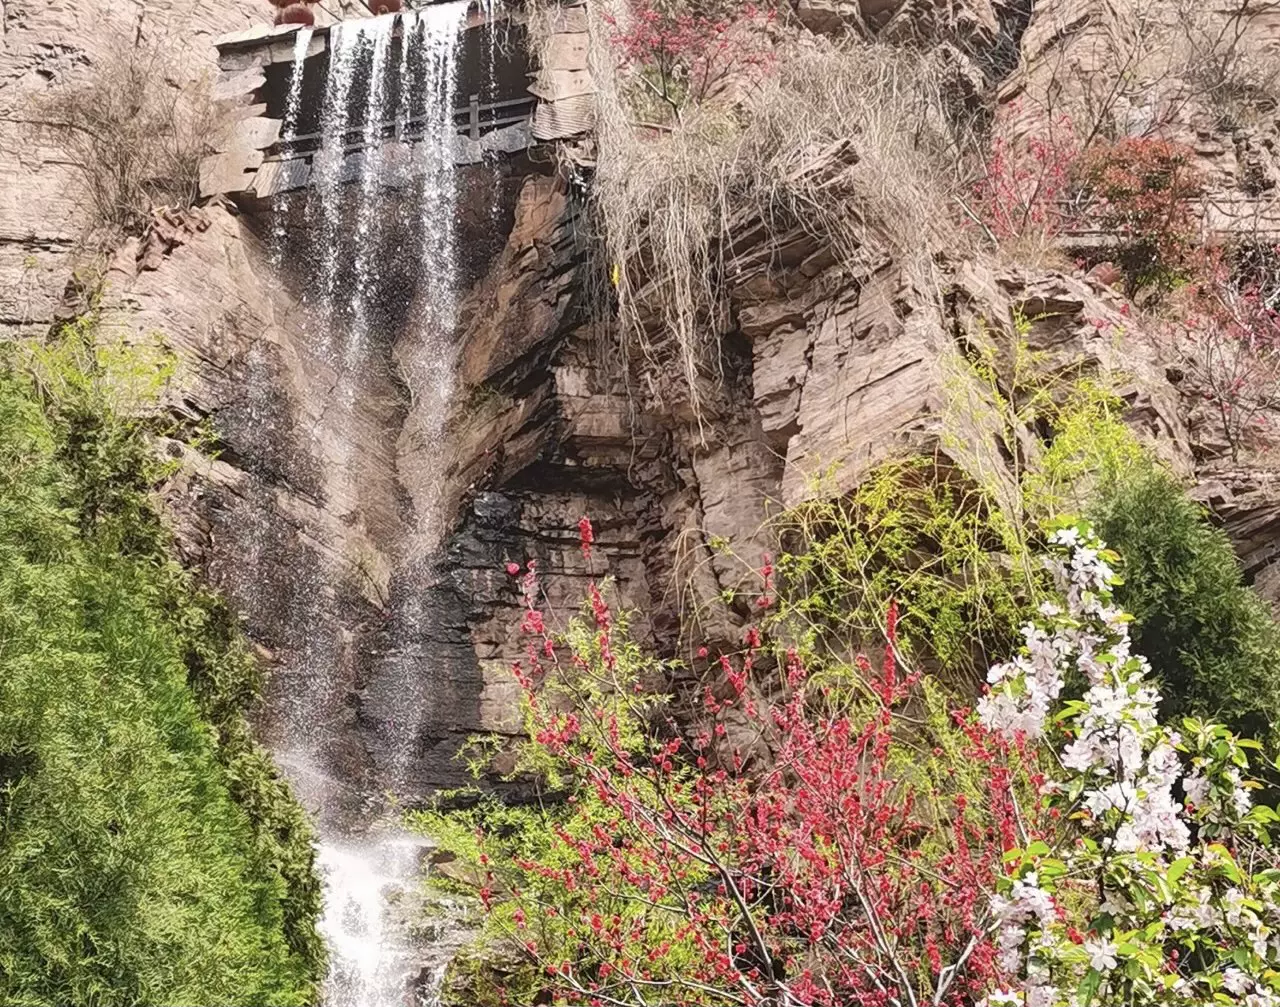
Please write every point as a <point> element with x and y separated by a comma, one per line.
<point>1233,343</point>
<point>1026,191</point>
<point>804,849</point>
<point>1143,900</point>
<point>684,55</point>
<point>1140,190</point>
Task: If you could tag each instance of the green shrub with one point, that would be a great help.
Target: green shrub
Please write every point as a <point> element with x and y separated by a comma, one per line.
<point>1089,446</point>
<point>917,533</point>
<point>149,854</point>
<point>1211,640</point>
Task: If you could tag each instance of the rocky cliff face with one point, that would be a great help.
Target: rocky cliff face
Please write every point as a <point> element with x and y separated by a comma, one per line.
<point>45,47</point>
<point>304,516</point>
<point>1196,74</point>
<point>824,367</point>
<point>847,366</point>
<point>295,507</point>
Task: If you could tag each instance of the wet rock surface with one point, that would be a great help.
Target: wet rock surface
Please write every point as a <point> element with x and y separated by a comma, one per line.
<point>302,509</point>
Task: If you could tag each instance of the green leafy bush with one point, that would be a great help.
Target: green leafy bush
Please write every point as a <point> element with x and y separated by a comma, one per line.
<point>1211,639</point>
<point>917,533</point>
<point>149,854</point>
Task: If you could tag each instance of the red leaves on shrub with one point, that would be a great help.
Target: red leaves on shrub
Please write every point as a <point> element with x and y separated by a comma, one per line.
<point>1143,190</point>
<point>1139,190</point>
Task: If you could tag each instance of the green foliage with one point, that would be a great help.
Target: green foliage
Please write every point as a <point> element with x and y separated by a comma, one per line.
<point>1211,640</point>
<point>953,548</point>
<point>930,754</point>
<point>997,393</point>
<point>149,854</point>
<point>915,533</point>
<point>466,837</point>
<point>1089,446</point>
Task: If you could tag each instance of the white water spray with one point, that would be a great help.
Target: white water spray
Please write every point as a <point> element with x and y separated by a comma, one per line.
<point>431,372</point>
<point>328,172</point>
<point>379,30</point>
<point>410,39</point>
<point>293,103</point>
<point>372,878</point>
<point>367,903</point>
<point>289,130</point>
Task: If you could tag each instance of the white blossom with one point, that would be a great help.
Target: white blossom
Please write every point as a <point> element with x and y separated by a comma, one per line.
<point>1234,907</point>
<point>1126,769</point>
<point>1102,955</point>
<point>1041,996</point>
<point>1196,787</point>
<point>1236,981</point>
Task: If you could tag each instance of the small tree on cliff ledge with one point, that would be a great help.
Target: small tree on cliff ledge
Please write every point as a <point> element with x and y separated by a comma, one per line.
<point>805,850</point>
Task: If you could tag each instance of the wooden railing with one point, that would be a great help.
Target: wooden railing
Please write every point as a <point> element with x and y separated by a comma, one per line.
<point>474,120</point>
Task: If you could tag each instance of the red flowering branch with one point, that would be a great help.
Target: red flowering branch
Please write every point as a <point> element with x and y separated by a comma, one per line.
<point>1027,190</point>
<point>779,852</point>
<point>684,56</point>
<point>1233,340</point>
<point>1139,190</point>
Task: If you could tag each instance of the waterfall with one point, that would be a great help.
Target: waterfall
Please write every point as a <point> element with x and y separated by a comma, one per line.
<point>293,103</point>
<point>430,373</point>
<point>381,215</point>
<point>347,216</point>
<point>328,173</point>
<point>491,10</point>
<point>379,30</point>
<point>368,903</point>
<point>289,129</point>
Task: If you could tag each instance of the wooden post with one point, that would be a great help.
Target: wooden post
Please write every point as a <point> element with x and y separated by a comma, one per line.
<point>475,117</point>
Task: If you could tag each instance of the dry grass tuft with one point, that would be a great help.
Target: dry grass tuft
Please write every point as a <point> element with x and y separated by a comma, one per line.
<point>135,132</point>
<point>852,143</point>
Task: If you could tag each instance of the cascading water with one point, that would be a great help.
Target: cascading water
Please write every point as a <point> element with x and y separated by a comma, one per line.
<point>328,172</point>
<point>289,132</point>
<point>382,216</point>
<point>379,32</point>
<point>430,373</point>
<point>493,11</point>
